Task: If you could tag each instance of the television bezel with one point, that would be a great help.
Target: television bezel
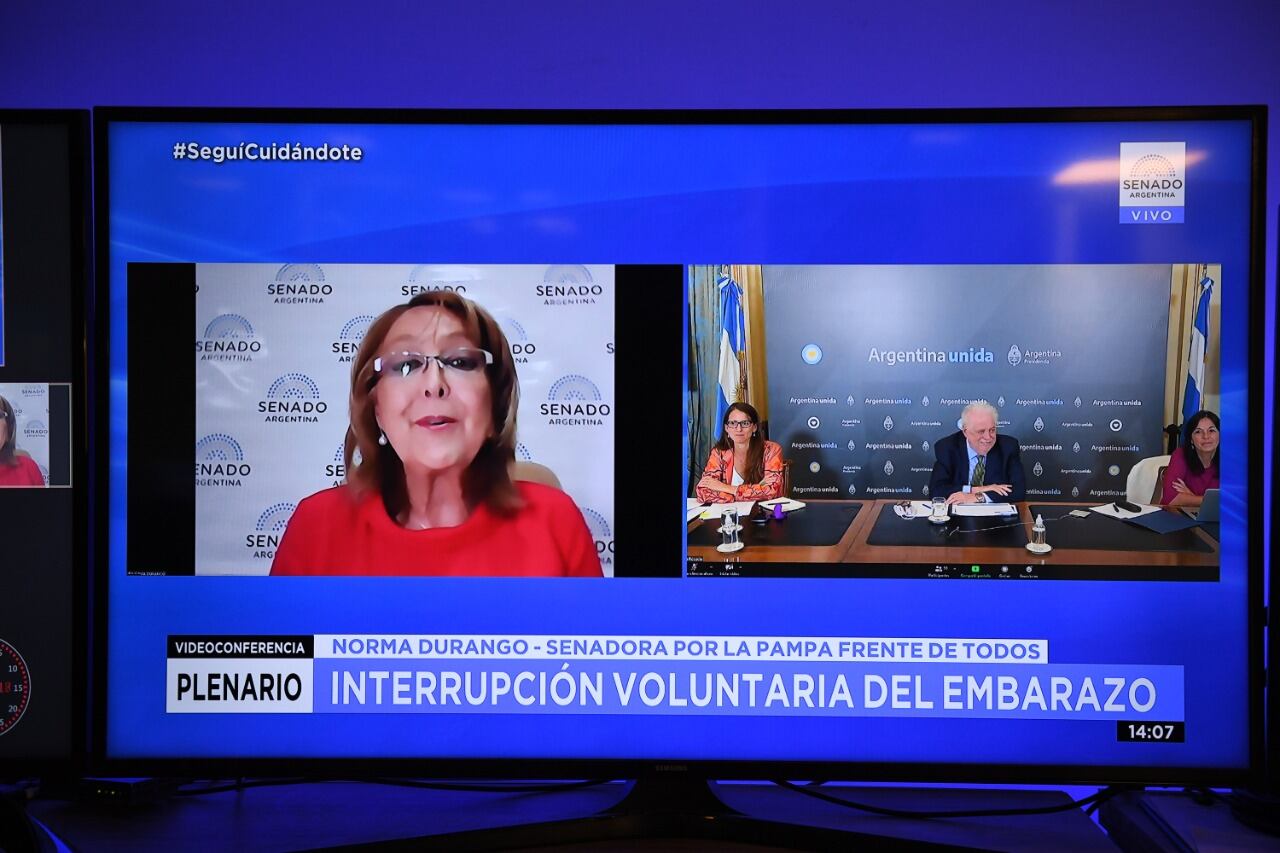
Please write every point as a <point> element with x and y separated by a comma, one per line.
<point>582,768</point>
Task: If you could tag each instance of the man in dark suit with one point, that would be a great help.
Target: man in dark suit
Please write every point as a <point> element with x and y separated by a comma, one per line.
<point>975,464</point>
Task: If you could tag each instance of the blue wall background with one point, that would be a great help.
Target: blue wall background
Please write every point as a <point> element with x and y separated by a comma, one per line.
<point>659,53</point>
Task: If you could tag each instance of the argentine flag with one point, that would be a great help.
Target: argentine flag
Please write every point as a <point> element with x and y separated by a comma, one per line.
<point>1196,353</point>
<point>733,340</point>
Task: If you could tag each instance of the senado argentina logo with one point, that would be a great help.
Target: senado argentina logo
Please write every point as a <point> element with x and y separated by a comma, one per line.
<point>335,471</point>
<point>220,462</point>
<point>35,428</point>
<point>350,336</point>
<point>568,284</point>
<point>574,400</point>
<point>228,338</point>
<point>291,399</point>
<point>263,540</point>
<point>1152,182</point>
<point>425,278</point>
<point>521,346</point>
<point>601,533</point>
<point>299,284</point>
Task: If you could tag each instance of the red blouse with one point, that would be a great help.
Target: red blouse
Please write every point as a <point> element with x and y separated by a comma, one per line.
<point>25,473</point>
<point>336,533</point>
<point>720,466</point>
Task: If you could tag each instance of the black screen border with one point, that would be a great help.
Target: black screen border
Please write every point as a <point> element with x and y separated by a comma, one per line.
<point>76,123</point>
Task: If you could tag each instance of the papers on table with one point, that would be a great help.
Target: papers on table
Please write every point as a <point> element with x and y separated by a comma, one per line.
<point>692,509</point>
<point>984,510</point>
<point>717,510</point>
<point>1113,511</point>
<point>923,509</point>
<point>787,504</point>
<point>919,509</point>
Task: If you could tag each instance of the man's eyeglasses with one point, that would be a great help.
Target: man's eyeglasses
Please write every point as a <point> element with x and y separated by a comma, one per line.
<point>402,365</point>
<point>738,424</point>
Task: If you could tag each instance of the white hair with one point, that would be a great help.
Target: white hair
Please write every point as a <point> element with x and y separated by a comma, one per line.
<point>978,406</point>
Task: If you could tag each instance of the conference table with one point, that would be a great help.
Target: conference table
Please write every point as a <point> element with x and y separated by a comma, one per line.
<point>871,532</point>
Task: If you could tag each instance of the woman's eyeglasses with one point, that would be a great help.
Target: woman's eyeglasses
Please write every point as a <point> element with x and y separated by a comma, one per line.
<point>738,424</point>
<point>402,365</point>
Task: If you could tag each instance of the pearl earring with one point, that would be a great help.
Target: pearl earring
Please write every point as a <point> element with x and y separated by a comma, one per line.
<point>382,439</point>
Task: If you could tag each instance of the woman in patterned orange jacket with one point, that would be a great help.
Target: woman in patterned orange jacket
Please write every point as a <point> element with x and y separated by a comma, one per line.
<point>743,466</point>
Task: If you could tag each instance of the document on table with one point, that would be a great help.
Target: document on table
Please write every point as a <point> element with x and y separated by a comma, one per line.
<point>692,509</point>
<point>1113,511</point>
<point>717,510</point>
<point>984,510</point>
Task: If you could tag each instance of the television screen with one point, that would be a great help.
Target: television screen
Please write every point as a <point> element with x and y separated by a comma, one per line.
<point>960,406</point>
<point>44,231</point>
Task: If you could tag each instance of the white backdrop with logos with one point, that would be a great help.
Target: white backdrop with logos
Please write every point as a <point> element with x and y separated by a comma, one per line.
<point>30,401</point>
<point>274,346</point>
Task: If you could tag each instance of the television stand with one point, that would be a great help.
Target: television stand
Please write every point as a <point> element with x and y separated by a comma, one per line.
<point>684,806</point>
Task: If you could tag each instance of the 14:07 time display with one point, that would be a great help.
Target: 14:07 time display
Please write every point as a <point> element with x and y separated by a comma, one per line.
<point>1131,731</point>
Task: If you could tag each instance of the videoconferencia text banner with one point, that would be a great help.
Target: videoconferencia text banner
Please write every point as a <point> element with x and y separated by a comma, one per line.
<point>658,675</point>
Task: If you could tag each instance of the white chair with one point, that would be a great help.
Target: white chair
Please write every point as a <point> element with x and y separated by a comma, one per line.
<point>1146,480</point>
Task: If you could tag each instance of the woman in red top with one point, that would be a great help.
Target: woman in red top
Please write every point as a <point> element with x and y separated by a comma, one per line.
<point>742,466</point>
<point>1193,467</point>
<point>16,468</point>
<point>433,418</point>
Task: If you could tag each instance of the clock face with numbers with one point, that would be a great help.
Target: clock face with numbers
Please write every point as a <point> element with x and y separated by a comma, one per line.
<point>15,687</point>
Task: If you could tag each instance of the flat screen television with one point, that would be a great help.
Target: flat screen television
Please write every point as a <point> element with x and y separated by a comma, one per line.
<point>967,343</point>
<point>44,286</point>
